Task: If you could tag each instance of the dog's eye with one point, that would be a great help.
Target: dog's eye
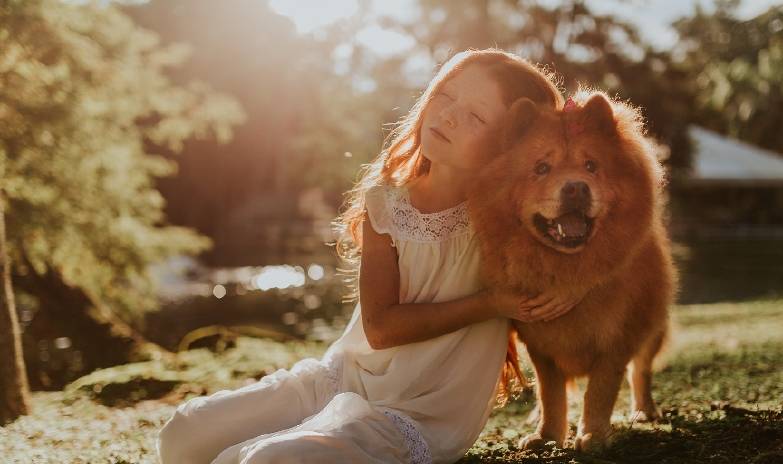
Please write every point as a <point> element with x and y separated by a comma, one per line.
<point>591,166</point>
<point>542,168</point>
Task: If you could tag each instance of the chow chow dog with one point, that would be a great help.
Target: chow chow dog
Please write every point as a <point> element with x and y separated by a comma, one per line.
<point>574,203</point>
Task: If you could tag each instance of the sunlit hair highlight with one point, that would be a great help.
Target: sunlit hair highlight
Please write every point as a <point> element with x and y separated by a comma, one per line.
<point>401,161</point>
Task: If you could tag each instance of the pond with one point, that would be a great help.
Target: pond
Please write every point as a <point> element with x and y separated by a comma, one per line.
<point>306,301</point>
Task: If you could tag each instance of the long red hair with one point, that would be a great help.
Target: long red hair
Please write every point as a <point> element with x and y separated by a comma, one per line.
<point>401,161</point>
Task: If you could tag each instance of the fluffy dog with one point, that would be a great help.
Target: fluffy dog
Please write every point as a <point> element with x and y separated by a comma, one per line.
<point>574,203</point>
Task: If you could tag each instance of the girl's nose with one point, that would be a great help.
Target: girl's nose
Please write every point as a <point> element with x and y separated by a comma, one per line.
<point>449,117</point>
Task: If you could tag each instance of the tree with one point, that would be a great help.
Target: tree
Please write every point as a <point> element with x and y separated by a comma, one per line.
<point>244,49</point>
<point>737,69</point>
<point>14,388</point>
<point>301,112</point>
<point>83,96</point>
<point>582,47</point>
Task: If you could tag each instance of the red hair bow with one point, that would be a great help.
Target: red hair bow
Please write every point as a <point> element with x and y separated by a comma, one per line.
<point>573,127</point>
<point>570,105</point>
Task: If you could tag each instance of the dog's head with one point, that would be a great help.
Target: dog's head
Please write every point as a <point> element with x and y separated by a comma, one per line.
<point>578,183</point>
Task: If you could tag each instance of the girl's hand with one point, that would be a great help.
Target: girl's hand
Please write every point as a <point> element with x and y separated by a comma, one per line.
<point>507,304</point>
<point>548,306</point>
<point>543,307</point>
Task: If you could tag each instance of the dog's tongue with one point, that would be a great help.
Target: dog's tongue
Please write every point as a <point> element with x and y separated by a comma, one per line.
<point>574,224</point>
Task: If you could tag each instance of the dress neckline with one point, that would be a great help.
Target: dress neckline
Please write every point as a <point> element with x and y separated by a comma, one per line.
<point>407,196</point>
<point>413,225</point>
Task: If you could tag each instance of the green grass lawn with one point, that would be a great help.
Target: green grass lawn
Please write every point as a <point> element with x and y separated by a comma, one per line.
<point>720,385</point>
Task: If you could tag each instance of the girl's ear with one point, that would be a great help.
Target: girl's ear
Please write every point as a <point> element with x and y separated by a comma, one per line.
<point>519,118</point>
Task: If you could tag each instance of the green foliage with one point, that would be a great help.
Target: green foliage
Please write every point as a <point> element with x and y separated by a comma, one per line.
<point>194,371</point>
<point>737,66</point>
<point>83,96</point>
<point>584,49</point>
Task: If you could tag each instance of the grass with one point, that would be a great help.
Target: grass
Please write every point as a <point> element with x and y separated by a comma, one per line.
<point>720,387</point>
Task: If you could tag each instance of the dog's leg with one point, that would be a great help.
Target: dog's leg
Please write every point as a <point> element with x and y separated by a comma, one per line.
<point>602,388</point>
<point>534,416</point>
<point>553,404</point>
<point>643,406</point>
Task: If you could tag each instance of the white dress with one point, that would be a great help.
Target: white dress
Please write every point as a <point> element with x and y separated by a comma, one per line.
<point>420,402</point>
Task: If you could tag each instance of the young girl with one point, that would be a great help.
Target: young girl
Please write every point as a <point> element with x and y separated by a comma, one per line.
<point>415,374</point>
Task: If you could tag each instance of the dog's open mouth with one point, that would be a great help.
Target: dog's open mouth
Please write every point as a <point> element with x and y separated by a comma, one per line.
<point>569,230</point>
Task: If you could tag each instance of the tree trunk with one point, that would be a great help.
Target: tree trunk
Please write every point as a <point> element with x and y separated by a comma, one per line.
<point>101,338</point>
<point>14,389</point>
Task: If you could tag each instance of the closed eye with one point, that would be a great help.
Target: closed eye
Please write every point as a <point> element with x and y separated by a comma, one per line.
<point>478,117</point>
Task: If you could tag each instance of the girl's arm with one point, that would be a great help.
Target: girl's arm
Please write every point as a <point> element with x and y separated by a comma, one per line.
<point>388,323</point>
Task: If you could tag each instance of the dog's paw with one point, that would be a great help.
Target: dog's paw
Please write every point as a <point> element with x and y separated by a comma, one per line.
<point>589,443</point>
<point>534,441</point>
<point>649,414</point>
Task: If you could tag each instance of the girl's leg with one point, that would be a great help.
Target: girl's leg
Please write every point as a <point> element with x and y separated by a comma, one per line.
<point>204,426</point>
<point>348,429</point>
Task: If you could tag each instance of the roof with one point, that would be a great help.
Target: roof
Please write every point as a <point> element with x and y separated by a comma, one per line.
<point>721,160</point>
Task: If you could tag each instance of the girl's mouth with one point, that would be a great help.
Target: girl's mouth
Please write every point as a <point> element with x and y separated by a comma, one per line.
<point>439,135</point>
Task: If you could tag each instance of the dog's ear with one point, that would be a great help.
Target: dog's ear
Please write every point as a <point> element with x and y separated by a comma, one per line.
<point>597,114</point>
<point>519,118</point>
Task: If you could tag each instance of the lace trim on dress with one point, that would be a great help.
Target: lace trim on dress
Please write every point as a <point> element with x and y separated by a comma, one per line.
<point>420,451</point>
<point>412,224</point>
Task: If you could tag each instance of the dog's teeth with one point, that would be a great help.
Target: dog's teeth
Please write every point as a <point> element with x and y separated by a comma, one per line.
<point>560,229</point>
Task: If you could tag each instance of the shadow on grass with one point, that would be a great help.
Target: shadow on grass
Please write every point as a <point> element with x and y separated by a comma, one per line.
<point>724,434</point>
<point>721,404</point>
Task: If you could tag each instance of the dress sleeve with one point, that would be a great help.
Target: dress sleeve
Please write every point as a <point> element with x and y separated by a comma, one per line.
<point>379,210</point>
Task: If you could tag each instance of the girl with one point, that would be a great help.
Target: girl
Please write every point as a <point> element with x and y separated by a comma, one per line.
<point>427,352</point>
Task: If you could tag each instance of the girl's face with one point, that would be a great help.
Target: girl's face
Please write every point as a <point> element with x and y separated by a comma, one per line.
<point>460,117</point>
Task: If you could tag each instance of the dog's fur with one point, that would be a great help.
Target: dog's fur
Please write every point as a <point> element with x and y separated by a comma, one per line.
<point>623,265</point>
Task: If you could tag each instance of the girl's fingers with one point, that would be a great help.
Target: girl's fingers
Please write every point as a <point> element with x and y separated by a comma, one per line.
<point>560,311</point>
<point>555,311</point>
<point>564,309</point>
<point>524,315</point>
<point>544,307</point>
<point>537,301</point>
<point>558,301</point>
<point>542,312</point>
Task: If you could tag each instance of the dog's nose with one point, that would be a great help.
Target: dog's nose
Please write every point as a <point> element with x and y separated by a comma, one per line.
<point>575,195</point>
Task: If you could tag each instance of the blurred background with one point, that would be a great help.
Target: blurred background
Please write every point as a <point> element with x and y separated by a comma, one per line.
<point>170,168</point>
